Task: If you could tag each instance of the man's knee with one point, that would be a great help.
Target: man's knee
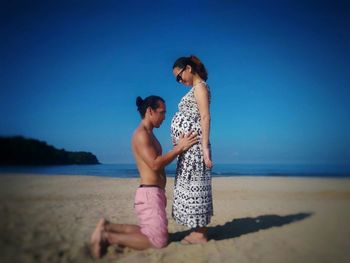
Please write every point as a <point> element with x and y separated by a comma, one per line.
<point>161,242</point>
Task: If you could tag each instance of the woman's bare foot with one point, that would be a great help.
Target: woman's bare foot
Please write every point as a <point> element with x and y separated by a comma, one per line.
<point>195,238</point>
<point>97,242</point>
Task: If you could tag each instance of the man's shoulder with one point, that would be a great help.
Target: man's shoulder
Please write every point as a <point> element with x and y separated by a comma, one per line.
<point>140,134</point>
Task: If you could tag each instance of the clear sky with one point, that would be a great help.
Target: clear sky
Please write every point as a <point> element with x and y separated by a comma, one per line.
<point>278,73</point>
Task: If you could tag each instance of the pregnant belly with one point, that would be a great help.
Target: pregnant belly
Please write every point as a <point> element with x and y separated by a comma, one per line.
<point>183,124</point>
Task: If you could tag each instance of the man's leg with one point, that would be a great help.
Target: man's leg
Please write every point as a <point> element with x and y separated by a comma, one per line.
<point>97,244</point>
<point>135,240</point>
<point>121,228</point>
<point>107,233</point>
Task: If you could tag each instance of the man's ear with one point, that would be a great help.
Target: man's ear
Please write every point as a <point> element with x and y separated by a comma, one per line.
<point>149,110</point>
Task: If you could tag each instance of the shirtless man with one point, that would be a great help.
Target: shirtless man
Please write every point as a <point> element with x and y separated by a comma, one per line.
<point>150,199</point>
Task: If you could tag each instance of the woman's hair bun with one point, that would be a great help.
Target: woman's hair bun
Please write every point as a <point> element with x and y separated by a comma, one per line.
<point>139,101</point>
<point>196,60</point>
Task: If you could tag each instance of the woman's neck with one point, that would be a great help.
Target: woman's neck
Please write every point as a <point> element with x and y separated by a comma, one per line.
<point>196,79</point>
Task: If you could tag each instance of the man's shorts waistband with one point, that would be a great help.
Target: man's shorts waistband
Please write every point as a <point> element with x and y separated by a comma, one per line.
<point>150,185</point>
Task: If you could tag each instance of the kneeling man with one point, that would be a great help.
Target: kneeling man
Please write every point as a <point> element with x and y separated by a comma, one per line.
<point>150,199</point>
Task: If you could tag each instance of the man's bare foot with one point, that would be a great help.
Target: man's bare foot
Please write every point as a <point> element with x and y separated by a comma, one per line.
<point>97,242</point>
<point>194,238</point>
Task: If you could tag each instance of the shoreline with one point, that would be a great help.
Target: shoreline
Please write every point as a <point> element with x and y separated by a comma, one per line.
<point>256,219</point>
<point>219,170</point>
<point>229,175</point>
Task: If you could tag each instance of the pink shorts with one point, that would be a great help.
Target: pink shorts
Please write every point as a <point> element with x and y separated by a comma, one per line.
<point>150,203</point>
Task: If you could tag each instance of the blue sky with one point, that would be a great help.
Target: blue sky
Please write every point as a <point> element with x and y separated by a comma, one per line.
<point>278,72</point>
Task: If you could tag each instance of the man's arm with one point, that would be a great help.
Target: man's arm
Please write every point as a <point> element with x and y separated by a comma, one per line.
<point>148,153</point>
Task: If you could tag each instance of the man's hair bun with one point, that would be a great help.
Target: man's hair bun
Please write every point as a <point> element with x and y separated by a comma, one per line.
<point>150,101</point>
<point>139,101</point>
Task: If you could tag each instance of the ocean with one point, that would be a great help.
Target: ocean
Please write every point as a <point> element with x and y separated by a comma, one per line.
<point>219,170</point>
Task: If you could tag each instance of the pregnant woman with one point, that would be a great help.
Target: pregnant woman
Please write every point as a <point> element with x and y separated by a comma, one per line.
<point>192,203</point>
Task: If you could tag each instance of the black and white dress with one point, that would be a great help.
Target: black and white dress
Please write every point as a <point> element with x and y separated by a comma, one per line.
<point>192,202</point>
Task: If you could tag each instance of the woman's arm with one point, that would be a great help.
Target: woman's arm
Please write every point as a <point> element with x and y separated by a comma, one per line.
<point>202,97</point>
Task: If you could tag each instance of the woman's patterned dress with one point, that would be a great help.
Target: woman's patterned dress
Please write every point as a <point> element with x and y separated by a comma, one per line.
<point>192,203</point>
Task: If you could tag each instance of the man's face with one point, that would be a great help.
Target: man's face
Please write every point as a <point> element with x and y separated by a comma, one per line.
<point>158,115</point>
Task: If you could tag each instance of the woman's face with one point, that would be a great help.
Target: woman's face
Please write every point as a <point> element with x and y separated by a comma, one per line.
<point>183,75</point>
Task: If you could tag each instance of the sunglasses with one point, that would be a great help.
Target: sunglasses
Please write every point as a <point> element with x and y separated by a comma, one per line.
<point>179,76</point>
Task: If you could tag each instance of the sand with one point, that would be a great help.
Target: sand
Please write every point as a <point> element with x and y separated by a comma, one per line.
<point>257,219</point>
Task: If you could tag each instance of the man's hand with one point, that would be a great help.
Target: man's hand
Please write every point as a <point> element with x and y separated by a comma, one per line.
<point>186,141</point>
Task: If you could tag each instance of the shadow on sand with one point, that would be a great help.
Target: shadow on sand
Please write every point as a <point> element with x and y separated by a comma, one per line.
<point>242,226</point>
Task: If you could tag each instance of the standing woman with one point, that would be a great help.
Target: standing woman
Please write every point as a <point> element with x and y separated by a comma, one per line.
<point>192,203</point>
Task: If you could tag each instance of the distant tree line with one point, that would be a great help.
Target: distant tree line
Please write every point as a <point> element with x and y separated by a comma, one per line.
<point>18,150</point>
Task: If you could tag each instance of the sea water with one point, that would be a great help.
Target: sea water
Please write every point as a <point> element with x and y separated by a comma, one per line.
<point>226,170</point>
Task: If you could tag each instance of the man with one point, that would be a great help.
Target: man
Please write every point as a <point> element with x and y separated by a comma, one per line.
<point>150,199</point>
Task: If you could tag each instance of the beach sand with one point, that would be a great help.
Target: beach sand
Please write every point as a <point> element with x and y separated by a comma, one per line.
<point>256,219</point>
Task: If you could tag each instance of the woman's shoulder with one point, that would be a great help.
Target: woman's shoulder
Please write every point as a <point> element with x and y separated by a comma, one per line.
<point>202,85</point>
